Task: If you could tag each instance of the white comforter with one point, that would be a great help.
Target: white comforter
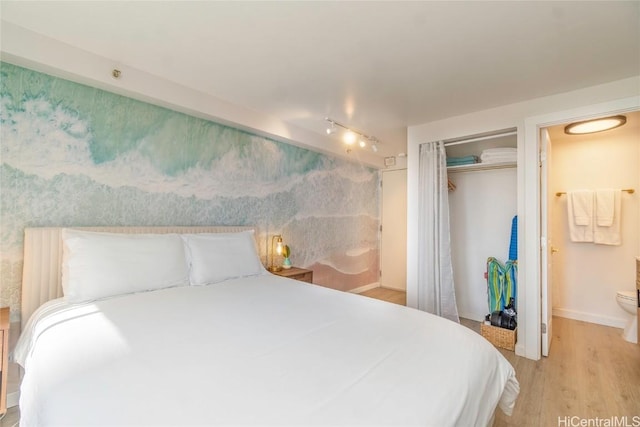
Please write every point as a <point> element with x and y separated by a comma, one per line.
<point>262,351</point>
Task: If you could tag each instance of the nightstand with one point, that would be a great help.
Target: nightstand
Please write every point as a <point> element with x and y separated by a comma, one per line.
<point>4,357</point>
<point>296,273</point>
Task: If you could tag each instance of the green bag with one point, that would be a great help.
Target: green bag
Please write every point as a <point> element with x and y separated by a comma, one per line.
<point>501,283</point>
<point>495,284</point>
<point>510,288</point>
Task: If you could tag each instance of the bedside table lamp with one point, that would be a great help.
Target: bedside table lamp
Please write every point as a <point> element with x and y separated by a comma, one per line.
<point>276,246</point>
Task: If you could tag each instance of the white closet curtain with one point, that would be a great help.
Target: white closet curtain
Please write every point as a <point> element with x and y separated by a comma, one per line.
<point>436,293</point>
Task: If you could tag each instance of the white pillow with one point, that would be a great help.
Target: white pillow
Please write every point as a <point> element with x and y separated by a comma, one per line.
<point>221,256</point>
<point>97,265</point>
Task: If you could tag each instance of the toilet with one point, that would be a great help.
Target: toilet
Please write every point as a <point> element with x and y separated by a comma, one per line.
<point>628,300</point>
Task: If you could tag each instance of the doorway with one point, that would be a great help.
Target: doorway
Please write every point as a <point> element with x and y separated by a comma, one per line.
<point>579,280</point>
<point>586,275</point>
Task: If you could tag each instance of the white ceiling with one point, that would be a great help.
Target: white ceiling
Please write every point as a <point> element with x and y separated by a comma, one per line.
<point>376,66</point>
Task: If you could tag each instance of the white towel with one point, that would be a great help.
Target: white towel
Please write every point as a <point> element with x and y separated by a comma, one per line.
<point>499,155</point>
<point>498,158</point>
<point>610,235</point>
<point>605,207</point>
<point>581,202</point>
<point>580,211</point>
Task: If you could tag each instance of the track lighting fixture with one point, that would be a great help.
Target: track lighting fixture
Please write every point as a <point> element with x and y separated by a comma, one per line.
<point>350,136</point>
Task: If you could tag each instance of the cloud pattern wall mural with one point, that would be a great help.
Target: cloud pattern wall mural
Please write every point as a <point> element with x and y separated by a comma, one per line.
<point>72,155</point>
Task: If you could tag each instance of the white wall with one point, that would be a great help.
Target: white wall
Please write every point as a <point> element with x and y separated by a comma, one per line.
<point>526,117</point>
<point>586,276</point>
<point>481,209</point>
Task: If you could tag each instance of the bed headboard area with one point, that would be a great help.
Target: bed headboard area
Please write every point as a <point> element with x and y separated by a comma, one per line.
<point>42,270</point>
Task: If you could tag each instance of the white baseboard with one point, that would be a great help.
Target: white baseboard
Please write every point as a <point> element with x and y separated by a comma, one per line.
<point>365,288</point>
<point>394,289</point>
<point>615,322</point>
<point>520,350</point>
<point>13,399</point>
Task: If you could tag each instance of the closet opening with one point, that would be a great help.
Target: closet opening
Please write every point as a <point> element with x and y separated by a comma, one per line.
<point>483,201</point>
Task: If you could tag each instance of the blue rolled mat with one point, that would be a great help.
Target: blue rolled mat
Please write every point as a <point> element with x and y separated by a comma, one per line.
<point>513,245</point>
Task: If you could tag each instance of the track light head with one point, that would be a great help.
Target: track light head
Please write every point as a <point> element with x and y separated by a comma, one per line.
<point>349,137</point>
<point>331,129</point>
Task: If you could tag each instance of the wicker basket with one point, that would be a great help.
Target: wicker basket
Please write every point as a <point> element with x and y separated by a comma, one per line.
<point>500,337</point>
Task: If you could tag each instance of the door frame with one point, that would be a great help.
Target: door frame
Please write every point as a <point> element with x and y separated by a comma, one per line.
<point>532,340</point>
<point>546,248</point>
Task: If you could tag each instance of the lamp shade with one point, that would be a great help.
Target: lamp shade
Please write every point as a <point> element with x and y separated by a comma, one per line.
<point>276,247</point>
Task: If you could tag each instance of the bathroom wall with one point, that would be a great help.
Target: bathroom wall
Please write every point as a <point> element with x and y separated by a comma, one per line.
<point>586,276</point>
<point>77,155</point>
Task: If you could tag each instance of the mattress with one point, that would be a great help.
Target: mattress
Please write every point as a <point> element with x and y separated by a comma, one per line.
<point>262,350</point>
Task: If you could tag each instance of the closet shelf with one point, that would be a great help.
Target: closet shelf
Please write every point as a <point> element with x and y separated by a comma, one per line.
<point>481,166</point>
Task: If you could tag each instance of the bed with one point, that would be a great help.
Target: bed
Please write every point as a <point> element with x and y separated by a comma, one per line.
<point>214,339</point>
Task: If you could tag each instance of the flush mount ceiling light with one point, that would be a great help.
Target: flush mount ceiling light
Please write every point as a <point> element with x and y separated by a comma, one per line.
<point>595,125</point>
<point>350,136</point>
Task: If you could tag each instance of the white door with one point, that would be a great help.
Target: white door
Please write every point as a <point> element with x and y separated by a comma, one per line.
<point>546,245</point>
<point>393,236</point>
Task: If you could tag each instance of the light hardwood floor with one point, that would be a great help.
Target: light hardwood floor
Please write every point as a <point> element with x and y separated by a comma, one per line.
<point>11,418</point>
<point>385,294</point>
<point>591,373</point>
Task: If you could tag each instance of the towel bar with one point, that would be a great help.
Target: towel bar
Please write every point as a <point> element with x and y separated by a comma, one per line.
<point>627,190</point>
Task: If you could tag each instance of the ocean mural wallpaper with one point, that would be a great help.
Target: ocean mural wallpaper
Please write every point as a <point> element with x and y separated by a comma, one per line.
<point>73,155</point>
